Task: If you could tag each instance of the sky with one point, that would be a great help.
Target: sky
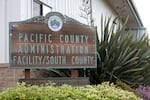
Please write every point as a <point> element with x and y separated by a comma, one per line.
<point>143,8</point>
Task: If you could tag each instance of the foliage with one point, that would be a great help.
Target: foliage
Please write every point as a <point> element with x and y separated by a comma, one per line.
<point>144,92</point>
<point>105,91</point>
<point>121,57</point>
<point>125,86</point>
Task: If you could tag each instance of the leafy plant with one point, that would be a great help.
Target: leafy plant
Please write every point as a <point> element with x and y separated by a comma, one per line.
<point>104,91</point>
<point>121,57</point>
<point>144,92</point>
<point>125,86</point>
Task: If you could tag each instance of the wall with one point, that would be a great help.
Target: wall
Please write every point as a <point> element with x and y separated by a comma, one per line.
<point>22,10</point>
<point>25,9</point>
<point>9,12</point>
<point>70,8</point>
<point>18,10</point>
<point>2,31</point>
<point>9,77</point>
<point>101,8</point>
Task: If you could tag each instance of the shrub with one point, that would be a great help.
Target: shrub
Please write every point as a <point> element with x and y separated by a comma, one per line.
<point>125,86</point>
<point>121,57</point>
<point>104,91</point>
<point>144,92</point>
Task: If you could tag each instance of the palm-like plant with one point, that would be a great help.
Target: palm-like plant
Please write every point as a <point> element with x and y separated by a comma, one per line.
<point>121,58</point>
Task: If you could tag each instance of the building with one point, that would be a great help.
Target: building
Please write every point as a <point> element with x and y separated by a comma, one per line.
<point>84,11</point>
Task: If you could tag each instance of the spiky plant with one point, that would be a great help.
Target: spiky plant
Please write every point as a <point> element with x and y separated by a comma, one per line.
<point>121,58</point>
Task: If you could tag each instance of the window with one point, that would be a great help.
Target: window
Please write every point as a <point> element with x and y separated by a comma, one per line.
<point>137,32</point>
<point>40,8</point>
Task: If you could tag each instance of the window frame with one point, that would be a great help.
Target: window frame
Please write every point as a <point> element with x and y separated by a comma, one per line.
<point>41,4</point>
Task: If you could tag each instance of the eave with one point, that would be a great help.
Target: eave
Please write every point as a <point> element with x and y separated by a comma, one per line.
<point>124,8</point>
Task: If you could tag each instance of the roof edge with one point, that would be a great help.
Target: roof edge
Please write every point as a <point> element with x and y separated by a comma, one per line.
<point>134,11</point>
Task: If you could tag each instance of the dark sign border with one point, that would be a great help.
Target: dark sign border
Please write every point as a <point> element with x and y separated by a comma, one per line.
<point>42,19</point>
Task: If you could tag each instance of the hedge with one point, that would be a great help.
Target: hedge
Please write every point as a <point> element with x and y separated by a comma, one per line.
<point>104,91</point>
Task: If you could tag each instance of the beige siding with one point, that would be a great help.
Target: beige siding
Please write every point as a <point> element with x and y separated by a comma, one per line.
<point>99,8</point>
<point>26,9</point>
<point>10,12</point>
<point>70,8</point>
<point>2,31</point>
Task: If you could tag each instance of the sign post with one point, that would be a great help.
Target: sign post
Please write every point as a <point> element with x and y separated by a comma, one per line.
<point>74,73</point>
<point>53,41</point>
<point>27,73</point>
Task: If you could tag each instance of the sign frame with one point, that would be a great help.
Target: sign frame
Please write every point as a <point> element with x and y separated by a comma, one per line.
<point>44,21</point>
